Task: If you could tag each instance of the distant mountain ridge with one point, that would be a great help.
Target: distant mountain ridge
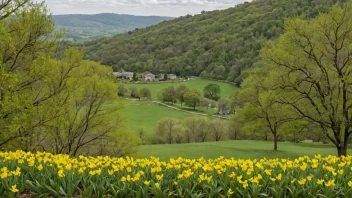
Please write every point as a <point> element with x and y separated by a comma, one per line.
<point>85,27</point>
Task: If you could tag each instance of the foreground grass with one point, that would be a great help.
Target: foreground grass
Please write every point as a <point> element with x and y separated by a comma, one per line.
<point>245,149</point>
<point>199,84</point>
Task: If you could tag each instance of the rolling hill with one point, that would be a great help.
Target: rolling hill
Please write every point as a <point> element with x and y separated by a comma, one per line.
<point>83,26</point>
<point>218,44</point>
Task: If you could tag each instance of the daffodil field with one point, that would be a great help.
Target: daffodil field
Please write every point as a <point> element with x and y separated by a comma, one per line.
<point>45,174</point>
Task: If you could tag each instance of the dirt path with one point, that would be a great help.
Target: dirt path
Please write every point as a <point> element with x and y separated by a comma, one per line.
<point>191,112</point>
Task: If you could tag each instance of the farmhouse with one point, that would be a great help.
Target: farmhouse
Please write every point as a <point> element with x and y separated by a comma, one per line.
<point>160,76</point>
<point>118,74</point>
<point>144,74</point>
<point>127,75</point>
<point>171,76</point>
<point>150,77</point>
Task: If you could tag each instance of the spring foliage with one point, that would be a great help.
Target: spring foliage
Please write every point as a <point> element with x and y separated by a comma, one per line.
<point>53,103</point>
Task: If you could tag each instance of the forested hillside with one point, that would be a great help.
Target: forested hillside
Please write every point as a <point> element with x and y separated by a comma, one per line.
<point>217,44</point>
<point>85,26</point>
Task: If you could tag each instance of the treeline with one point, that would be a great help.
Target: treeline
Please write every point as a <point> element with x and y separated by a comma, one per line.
<point>204,129</point>
<point>134,92</point>
<point>217,45</point>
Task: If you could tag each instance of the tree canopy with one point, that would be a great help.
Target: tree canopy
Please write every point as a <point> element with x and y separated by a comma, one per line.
<point>307,77</point>
<point>218,44</point>
<point>59,104</point>
<point>212,91</point>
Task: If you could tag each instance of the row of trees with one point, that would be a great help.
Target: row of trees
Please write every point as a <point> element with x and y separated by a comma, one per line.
<point>203,129</point>
<point>54,103</point>
<point>193,98</point>
<point>134,92</point>
<point>305,83</point>
<point>192,129</point>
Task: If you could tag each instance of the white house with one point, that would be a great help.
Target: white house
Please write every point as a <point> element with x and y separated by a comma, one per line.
<point>150,77</point>
<point>127,75</point>
<point>171,76</point>
<point>118,74</point>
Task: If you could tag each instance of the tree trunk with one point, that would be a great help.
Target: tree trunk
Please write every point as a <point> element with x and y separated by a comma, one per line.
<point>275,142</point>
<point>342,151</point>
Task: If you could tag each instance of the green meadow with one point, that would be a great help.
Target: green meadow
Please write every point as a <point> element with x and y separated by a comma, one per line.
<point>146,114</point>
<point>199,84</point>
<point>244,149</point>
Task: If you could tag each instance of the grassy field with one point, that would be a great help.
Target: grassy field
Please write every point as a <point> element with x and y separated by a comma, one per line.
<point>199,84</point>
<point>245,149</point>
<point>146,114</point>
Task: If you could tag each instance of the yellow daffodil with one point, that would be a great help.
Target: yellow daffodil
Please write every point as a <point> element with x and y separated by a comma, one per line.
<point>320,181</point>
<point>302,181</point>
<point>14,189</point>
<point>279,176</point>
<point>232,175</point>
<point>146,183</point>
<point>330,183</point>
<point>268,172</point>
<point>157,185</point>
<point>159,177</point>
<point>350,183</point>
<point>61,173</point>
<point>230,192</point>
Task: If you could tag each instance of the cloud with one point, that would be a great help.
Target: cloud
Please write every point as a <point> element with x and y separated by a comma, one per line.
<point>139,7</point>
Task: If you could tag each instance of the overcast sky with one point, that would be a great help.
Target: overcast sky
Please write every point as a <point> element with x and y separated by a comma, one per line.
<point>138,7</point>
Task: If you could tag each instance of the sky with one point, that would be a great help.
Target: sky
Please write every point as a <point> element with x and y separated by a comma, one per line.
<point>172,8</point>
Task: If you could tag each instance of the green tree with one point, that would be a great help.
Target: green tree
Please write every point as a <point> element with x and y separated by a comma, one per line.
<point>192,97</point>
<point>145,93</point>
<point>167,129</point>
<point>191,125</point>
<point>223,104</point>
<point>135,77</point>
<point>180,93</point>
<point>217,129</point>
<point>234,127</point>
<point>122,90</point>
<point>134,92</point>
<point>142,134</point>
<point>168,94</point>
<point>203,131</point>
<point>205,103</point>
<point>212,91</point>
<point>312,66</point>
<point>261,111</point>
<point>61,105</point>
<point>22,66</point>
<point>234,101</point>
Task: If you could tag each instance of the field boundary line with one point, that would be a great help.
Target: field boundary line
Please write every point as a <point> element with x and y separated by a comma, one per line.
<point>185,111</point>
